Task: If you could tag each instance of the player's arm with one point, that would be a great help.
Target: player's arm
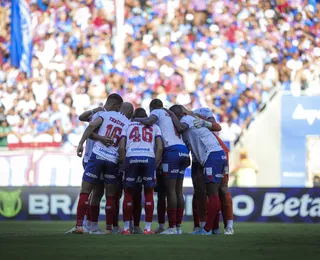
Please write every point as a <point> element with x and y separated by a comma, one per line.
<point>106,140</point>
<point>148,121</point>
<point>86,116</point>
<point>122,150</point>
<point>209,123</point>
<point>180,126</point>
<point>87,133</point>
<point>159,150</point>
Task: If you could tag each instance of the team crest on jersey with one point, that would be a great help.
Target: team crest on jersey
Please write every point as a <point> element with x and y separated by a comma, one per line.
<point>10,203</point>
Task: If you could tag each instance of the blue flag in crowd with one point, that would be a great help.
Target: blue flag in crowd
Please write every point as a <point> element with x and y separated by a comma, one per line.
<point>21,36</point>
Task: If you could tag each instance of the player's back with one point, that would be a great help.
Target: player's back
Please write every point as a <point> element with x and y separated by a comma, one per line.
<point>168,131</point>
<point>199,140</point>
<point>140,139</point>
<point>112,125</point>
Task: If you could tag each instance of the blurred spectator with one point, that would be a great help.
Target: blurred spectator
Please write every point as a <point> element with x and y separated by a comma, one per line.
<point>5,130</point>
<point>223,54</point>
<point>316,181</point>
<point>245,172</point>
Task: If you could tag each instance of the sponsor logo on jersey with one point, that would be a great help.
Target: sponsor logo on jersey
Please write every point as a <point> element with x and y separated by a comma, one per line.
<point>219,175</point>
<point>139,161</point>
<point>107,152</point>
<point>91,175</point>
<point>140,149</point>
<point>99,157</point>
<point>130,179</point>
<point>10,203</point>
<point>306,114</point>
<point>147,178</point>
<point>276,203</point>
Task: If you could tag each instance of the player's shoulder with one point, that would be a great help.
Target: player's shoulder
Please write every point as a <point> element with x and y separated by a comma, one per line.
<point>159,112</point>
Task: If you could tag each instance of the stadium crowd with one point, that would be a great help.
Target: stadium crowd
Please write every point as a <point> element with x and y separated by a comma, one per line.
<point>225,55</point>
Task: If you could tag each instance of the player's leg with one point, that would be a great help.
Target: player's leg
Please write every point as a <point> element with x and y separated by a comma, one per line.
<point>184,163</point>
<point>137,208</point>
<point>111,178</point>
<point>116,228</point>
<point>202,198</point>
<point>161,203</point>
<point>89,181</point>
<point>195,214</point>
<point>129,185</point>
<point>86,221</point>
<point>94,207</point>
<point>148,179</point>
<point>226,207</point>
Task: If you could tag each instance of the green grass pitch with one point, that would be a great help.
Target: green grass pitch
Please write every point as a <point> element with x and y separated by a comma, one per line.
<point>46,240</point>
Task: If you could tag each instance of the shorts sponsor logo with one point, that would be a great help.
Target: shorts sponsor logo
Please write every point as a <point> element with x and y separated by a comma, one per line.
<point>147,178</point>
<point>209,171</point>
<point>226,170</point>
<point>130,179</point>
<point>108,176</point>
<point>139,180</point>
<point>139,161</point>
<point>89,174</point>
<point>224,157</point>
<point>10,203</point>
<point>219,175</point>
<point>183,155</point>
<point>174,171</point>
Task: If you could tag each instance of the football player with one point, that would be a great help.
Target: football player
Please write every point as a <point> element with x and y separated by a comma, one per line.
<point>209,153</point>
<point>137,153</point>
<point>175,160</point>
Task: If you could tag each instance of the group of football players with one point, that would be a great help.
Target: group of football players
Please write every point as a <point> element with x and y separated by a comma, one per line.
<point>128,150</point>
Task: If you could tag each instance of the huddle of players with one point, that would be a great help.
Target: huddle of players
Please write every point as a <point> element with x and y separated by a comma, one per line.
<point>145,149</point>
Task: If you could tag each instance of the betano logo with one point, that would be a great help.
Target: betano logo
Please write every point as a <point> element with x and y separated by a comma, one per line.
<point>10,203</point>
<point>306,114</point>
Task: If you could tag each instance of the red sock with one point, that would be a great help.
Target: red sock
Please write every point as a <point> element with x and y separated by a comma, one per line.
<point>202,208</point>
<point>196,220</point>
<point>172,217</point>
<point>216,222</point>
<point>212,211</point>
<point>148,204</point>
<point>110,209</point>
<point>94,213</point>
<point>82,208</point>
<point>226,207</point>
<point>127,205</point>
<point>116,213</point>
<point>179,216</point>
<point>137,207</point>
<point>161,211</point>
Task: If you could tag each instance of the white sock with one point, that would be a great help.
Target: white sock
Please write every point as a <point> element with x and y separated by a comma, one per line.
<point>161,225</point>
<point>131,223</point>
<point>126,225</point>
<point>94,226</point>
<point>202,224</point>
<point>230,223</point>
<point>148,226</point>
<point>88,224</point>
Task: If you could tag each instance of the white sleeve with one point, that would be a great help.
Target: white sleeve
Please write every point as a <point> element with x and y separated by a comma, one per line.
<point>157,131</point>
<point>187,120</point>
<point>124,130</point>
<point>156,112</point>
